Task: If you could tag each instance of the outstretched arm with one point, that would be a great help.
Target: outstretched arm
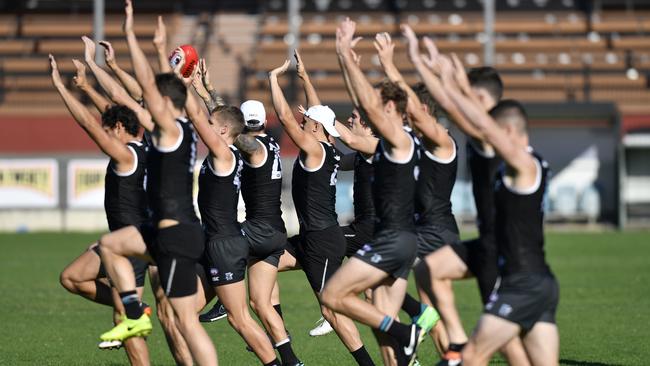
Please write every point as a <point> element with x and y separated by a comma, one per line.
<point>346,77</point>
<point>306,142</point>
<point>201,83</point>
<point>369,101</point>
<point>162,116</point>
<point>124,77</point>
<point>363,144</point>
<point>310,91</point>
<point>109,145</point>
<point>205,77</point>
<point>116,92</point>
<point>160,43</point>
<point>81,82</point>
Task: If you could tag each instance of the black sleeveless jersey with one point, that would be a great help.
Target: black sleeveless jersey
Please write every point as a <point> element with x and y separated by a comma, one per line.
<point>483,169</point>
<point>314,191</point>
<point>218,198</point>
<point>261,186</point>
<point>433,190</point>
<point>394,189</point>
<point>364,206</point>
<point>125,200</point>
<point>170,177</point>
<point>519,224</point>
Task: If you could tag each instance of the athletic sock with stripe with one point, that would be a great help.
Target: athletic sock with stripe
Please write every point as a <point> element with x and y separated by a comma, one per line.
<point>131,304</point>
<point>286,352</point>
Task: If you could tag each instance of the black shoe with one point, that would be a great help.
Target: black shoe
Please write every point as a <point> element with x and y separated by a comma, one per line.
<point>406,352</point>
<point>217,312</point>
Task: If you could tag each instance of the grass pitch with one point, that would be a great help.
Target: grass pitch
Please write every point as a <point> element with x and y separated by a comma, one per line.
<point>604,312</point>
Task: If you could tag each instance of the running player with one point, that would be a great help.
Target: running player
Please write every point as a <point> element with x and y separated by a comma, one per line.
<point>384,263</point>
<point>320,246</point>
<point>125,201</point>
<point>475,257</point>
<point>226,251</point>
<point>175,240</point>
<point>525,298</point>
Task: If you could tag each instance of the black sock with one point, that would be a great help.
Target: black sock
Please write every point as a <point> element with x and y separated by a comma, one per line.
<point>395,329</point>
<point>412,307</point>
<point>456,347</point>
<point>286,352</point>
<point>362,357</point>
<point>131,304</point>
<point>273,363</point>
<point>278,308</point>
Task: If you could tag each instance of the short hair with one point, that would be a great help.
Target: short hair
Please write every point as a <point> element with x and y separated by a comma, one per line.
<point>171,86</point>
<point>390,91</point>
<point>511,112</point>
<point>232,116</point>
<point>123,115</point>
<point>487,78</point>
<point>425,97</point>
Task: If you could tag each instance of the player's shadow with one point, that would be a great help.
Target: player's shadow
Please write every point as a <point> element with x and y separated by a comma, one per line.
<point>585,363</point>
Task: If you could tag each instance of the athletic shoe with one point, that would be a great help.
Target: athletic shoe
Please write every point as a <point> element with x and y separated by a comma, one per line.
<point>427,319</point>
<point>109,345</point>
<point>408,349</point>
<point>128,328</point>
<point>450,358</point>
<point>323,327</point>
<point>217,312</point>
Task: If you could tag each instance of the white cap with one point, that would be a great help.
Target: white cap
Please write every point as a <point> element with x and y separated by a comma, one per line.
<point>254,113</point>
<point>325,116</point>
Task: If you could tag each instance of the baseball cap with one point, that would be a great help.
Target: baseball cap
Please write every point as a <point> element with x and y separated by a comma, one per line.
<point>325,116</point>
<point>254,113</point>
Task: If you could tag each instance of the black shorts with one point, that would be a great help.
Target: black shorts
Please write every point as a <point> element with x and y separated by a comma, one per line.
<point>433,237</point>
<point>356,235</point>
<point>319,253</point>
<point>139,268</point>
<point>482,261</point>
<point>266,243</point>
<point>392,251</point>
<point>176,250</point>
<point>225,260</point>
<point>525,299</point>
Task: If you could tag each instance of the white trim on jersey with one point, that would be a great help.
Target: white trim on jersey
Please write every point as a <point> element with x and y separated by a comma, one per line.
<point>135,164</point>
<point>176,144</point>
<point>533,188</point>
<point>266,156</point>
<point>214,172</point>
<point>479,150</point>
<point>322,162</point>
<point>440,160</point>
<point>395,161</point>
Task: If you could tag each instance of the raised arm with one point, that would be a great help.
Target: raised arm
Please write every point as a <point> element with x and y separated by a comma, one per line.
<point>201,89</point>
<point>205,77</point>
<point>306,142</point>
<point>363,144</point>
<point>162,116</point>
<point>81,82</point>
<point>369,100</point>
<point>310,92</point>
<point>160,43</point>
<point>109,145</point>
<point>346,77</point>
<point>114,90</point>
<point>128,81</point>
<point>488,129</point>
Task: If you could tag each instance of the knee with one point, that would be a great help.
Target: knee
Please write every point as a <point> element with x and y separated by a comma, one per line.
<point>469,354</point>
<point>255,305</point>
<point>238,319</point>
<point>330,299</point>
<point>65,278</point>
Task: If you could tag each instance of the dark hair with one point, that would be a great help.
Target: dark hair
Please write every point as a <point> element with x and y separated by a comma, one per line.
<point>510,111</point>
<point>232,116</point>
<point>171,86</point>
<point>392,92</point>
<point>487,78</point>
<point>425,97</point>
<point>123,115</point>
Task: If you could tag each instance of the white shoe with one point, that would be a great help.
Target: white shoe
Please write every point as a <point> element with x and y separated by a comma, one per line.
<point>321,329</point>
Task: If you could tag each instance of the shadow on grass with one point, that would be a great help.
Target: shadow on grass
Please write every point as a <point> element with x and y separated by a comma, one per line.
<point>585,363</point>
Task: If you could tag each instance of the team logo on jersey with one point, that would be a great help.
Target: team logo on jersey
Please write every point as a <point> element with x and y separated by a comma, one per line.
<point>228,276</point>
<point>364,249</point>
<point>505,310</point>
<point>214,273</point>
<point>376,258</point>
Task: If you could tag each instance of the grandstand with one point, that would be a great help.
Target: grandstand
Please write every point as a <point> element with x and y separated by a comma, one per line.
<point>563,52</point>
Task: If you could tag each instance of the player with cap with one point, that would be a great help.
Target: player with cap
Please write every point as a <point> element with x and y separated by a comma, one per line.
<point>319,248</point>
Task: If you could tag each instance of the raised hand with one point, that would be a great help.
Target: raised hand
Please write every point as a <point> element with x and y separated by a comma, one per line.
<point>56,76</point>
<point>385,48</point>
<point>431,59</point>
<point>109,52</point>
<point>300,66</point>
<point>459,74</point>
<point>345,35</point>
<point>128,11</point>
<point>160,34</point>
<point>197,83</point>
<point>356,57</point>
<point>205,75</point>
<point>80,80</point>
<point>301,109</point>
<point>280,70</point>
<point>413,46</point>
<point>90,49</point>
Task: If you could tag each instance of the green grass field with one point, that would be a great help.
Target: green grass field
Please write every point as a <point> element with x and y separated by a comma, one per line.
<point>604,313</point>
